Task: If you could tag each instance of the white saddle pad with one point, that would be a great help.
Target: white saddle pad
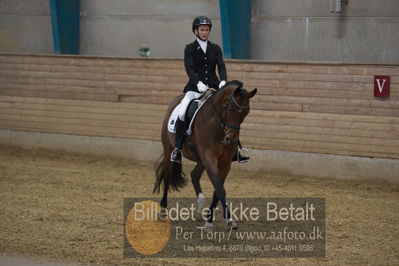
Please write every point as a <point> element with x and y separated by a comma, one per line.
<point>172,119</point>
<point>174,115</point>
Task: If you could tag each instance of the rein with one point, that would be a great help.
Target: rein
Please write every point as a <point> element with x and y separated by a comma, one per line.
<point>239,106</point>
<point>222,121</point>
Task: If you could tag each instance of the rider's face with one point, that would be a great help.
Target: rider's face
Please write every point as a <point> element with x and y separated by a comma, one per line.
<point>203,32</point>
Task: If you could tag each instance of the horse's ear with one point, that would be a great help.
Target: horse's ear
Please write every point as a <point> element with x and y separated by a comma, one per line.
<point>252,93</point>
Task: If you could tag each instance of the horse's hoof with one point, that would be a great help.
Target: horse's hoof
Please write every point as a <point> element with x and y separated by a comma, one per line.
<point>231,225</point>
<point>163,215</point>
<point>200,202</point>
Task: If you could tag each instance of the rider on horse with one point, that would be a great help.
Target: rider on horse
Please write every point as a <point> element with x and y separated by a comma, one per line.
<point>200,60</point>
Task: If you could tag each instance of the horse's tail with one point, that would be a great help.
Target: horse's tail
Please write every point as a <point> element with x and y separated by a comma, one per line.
<point>178,179</point>
<point>170,173</point>
<point>159,174</point>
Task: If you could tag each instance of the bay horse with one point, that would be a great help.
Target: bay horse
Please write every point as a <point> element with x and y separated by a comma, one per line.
<point>215,132</point>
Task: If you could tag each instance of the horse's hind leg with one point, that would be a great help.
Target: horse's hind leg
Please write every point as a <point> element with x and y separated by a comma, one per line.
<point>195,179</point>
<point>166,172</point>
<point>164,201</point>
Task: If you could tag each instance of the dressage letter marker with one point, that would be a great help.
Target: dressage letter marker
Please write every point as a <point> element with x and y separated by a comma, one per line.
<point>381,86</point>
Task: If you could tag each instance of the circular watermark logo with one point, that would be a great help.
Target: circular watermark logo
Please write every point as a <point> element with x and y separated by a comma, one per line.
<point>147,230</point>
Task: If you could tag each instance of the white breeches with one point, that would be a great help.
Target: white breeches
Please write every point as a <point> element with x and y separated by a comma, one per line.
<point>190,95</point>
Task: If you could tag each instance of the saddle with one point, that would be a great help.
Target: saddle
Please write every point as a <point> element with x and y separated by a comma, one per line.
<point>191,112</point>
<point>193,107</point>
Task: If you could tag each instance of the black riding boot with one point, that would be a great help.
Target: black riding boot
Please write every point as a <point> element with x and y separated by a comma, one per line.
<point>176,153</point>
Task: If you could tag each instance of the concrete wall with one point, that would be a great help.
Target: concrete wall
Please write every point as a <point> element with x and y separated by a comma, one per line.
<point>270,161</point>
<point>25,26</point>
<point>365,31</point>
<point>113,28</point>
<point>121,27</point>
<point>289,30</point>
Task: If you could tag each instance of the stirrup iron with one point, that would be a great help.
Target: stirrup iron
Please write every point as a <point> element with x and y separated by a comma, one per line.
<point>176,156</point>
<point>242,155</point>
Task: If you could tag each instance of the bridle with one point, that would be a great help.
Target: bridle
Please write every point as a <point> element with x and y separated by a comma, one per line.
<point>224,124</point>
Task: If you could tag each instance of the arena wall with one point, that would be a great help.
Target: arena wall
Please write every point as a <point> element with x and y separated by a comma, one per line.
<point>302,112</point>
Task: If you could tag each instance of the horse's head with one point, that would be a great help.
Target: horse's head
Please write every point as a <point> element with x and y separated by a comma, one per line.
<point>231,106</point>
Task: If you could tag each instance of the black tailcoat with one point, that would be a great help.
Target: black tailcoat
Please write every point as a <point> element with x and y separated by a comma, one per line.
<point>201,66</point>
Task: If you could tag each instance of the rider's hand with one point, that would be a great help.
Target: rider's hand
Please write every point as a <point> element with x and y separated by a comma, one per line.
<point>201,87</point>
<point>222,83</point>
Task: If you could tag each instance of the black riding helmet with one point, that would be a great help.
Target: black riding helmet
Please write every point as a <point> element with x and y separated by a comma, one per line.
<point>201,20</point>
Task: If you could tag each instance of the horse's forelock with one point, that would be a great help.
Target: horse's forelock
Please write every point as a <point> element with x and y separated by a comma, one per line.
<point>243,97</point>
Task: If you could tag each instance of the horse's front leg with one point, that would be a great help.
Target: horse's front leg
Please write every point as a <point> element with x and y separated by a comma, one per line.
<point>221,195</point>
<point>210,164</point>
<point>211,214</point>
<point>224,170</point>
